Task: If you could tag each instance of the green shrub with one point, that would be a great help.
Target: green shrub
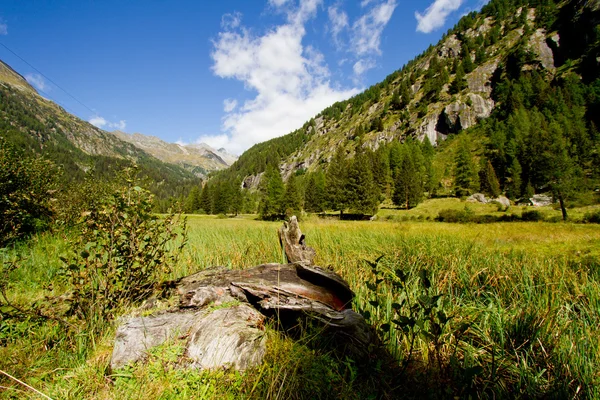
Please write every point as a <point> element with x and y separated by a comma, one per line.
<point>27,186</point>
<point>592,217</point>
<point>123,253</point>
<point>532,215</point>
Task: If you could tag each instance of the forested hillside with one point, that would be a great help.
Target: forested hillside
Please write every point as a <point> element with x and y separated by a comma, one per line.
<point>509,97</point>
<point>38,127</point>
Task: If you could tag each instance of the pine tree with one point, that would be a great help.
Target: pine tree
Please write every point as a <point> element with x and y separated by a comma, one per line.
<point>467,62</point>
<point>192,202</point>
<point>408,184</point>
<point>314,194</point>
<point>459,83</point>
<point>221,198</point>
<point>363,194</point>
<point>429,180</point>
<point>336,181</point>
<point>206,199</point>
<point>488,180</point>
<point>237,197</point>
<point>291,201</point>
<point>464,170</point>
<point>272,191</point>
<point>513,184</point>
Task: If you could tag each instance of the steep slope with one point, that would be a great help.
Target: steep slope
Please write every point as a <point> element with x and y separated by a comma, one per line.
<point>197,158</point>
<point>450,87</point>
<point>40,126</point>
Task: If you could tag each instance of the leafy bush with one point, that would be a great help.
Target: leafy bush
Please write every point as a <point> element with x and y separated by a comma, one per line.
<point>532,215</point>
<point>123,253</point>
<point>26,189</point>
<point>450,215</point>
<point>592,217</point>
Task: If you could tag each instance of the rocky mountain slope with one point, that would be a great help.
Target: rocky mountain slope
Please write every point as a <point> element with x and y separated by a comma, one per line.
<point>452,86</point>
<point>197,158</point>
<point>41,127</point>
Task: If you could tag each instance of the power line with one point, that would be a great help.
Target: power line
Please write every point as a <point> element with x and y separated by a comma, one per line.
<point>49,80</point>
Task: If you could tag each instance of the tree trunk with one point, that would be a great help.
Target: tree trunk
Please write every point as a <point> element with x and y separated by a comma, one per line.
<point>561,201</point>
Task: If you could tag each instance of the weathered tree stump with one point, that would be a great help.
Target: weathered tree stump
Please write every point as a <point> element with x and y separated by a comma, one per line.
<point>293,242</point>
<point>221,313</point>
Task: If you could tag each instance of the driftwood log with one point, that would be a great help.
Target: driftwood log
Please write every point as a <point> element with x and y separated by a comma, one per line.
<point>222,313</point>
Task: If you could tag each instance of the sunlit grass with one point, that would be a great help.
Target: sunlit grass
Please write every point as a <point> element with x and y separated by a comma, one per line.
<point>530,292</point>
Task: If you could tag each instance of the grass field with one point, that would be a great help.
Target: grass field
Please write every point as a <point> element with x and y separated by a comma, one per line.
<point>522,303</point>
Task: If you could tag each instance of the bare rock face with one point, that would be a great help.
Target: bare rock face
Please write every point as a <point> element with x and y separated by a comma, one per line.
<point>232,335</point>
<point>251,182</point>
<point>537,42</point>
<point>479,81</point>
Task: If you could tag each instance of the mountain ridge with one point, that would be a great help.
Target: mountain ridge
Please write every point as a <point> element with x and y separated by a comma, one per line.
<point>198,158</point>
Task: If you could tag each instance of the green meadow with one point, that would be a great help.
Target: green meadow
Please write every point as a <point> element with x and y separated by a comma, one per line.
<point>497,310</point>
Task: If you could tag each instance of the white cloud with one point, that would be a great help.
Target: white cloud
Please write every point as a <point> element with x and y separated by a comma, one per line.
<point>436,14</point>
<point>365,3</point>
<point>367,30</point>
<point>231,21</point>
<point>37,81</point>
<point>229,105</point>
<point>98,121</point>
<point>362,66</point>
<point>101,123</point>
<point>291,81</point>
<point>3,27</point>
<point>339,21</point>
<point>277,3</point>
<point>215,141</point>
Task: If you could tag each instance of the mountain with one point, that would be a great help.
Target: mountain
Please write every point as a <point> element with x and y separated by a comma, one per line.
<point>41,127</point>
<point>449,88</point>
<point>197,158</point>
<point>509,97</point>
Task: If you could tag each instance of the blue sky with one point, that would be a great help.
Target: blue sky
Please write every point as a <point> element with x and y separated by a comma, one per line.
<point>230,73</point>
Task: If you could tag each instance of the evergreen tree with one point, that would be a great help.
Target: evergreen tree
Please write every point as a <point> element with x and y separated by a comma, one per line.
<point>464,170</point>
<point>363,193</point>
<point>459,83</point>
<point>396,103</point>
<point>192,203</point>
<point>467,63</point>
<point>206,199</point>
<point>408,185</point>
<point>488,180</point>
<point>405,95</point>
<point>380,165</point>
<point>314,194</point>
<point>221,198</point>
<point>513,183</point>
<point>429,180</point>
<point>272,191</point>
<point>291,202</point>
<point>237,197</point>
<point>561,172</point>
<point>336,181</point>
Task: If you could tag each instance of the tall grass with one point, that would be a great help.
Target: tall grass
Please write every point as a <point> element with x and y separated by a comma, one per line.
<point>529,293</point>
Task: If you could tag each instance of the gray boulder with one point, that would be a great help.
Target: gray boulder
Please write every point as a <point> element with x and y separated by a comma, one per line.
<point>541,200</point>
<point>477,198</point>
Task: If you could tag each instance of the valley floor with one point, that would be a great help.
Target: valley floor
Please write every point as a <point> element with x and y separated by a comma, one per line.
<point>518,314</point>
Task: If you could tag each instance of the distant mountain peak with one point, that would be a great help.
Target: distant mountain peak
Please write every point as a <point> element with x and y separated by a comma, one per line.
<point>200,158</point>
